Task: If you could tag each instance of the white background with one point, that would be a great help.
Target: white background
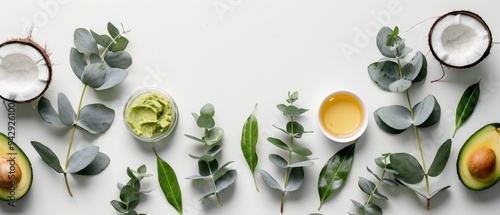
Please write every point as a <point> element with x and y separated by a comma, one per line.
<point>251,51</point>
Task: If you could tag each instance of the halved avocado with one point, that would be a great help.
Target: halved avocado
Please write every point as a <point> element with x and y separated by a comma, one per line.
<point>16,174</point>
<point>478,163</point>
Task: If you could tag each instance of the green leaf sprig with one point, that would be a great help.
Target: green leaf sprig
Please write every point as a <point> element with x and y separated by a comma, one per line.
<point>370,188</point>
<point>297,156</point>
<point>391,74</point>
<point>249,139</point>
<point>466,106</point>
<point>208,166</point>
<point>98,68</point>
<point>130,193</point>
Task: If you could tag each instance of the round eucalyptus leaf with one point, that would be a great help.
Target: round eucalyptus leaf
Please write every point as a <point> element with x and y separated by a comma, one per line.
<point>409,169</point>
<point>382,42</point>
<point>47,112</point>
<point>278,161</point>
<point>118,59</point>
<point>295,179</point>
<point>396,117</point>
<point>269,180</point>
<point>384,73</point>
<point>113,77</point>
<point>98,165</point>
<point>93,75</point>
<point>77,62</point>
<point>366,185</point>
<point>84,41</point>
<point>81,159</point>
<point>120,44</point>
<point>408,71</point>
<point>226,180</point>
<point>373,209</point>
<point>400,86</point>
<point>205,121</point>
<point>207,168</point>
<point>214,136</point>
<point>427,112</point>
<point>420,63</point>
<point>66,112</point>
<point>295,128</point>
<point>207,109</point>
<point>95,118</point>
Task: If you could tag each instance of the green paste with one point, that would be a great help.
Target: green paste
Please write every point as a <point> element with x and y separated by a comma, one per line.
<point>149,114</point>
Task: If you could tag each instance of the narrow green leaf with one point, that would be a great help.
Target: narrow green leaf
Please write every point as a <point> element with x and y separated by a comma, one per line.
<point>441,159</point>
<point>118,59</point>
<point>410,170</point>
<point>82,158</point>
<point>466,106</point>
<point>48,156</point>
<point>169,183</point>
<point>112,30</point>
<point>269,180</point>
<point>375,175</point>
<point>95,118</point>
<point>66,112</point>
<point>194,138</point>
<point>47,112</point>
<point>84,42</point>
<point>100,163</point>
<point>249,139</point>
<point>295,179</point>
<point>334,173</point>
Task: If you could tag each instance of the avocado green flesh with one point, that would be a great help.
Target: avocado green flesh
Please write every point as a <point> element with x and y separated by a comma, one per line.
<point>486,137</point>
<point>16,156</point>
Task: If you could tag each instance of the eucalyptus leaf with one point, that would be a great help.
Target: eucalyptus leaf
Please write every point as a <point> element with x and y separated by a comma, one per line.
<point>411,188</point>
<point>93,75</point>
<point>292,111</point>
<point>214,135</point>
<point>384,73</point>
<point>439,190</point>
<point>375,175</point>
<point>100,162</point>
<point>278,143</point>
<point>129,194</point>
<point>269,180</point>
<point>95,118</point>
<point>48,156</point>
<point>366,186</point>
<point>373,209</point>
<point>98,39</point>
<point>390,182</point>
<point>120,44</point>
<point>169,183</point>
<point>249,139</point>
<point>113,77</point>
<point>281,107</point>
<point>294,128</point>
<point>47,112</point>
<point>396,117</point>
<point>334,173</point>
<point>77,62</point>
<point>214,150</point>
<point>94,58</point>
<point>427,112</point>
<point>207,109</point>
<point>118,59</point>
<point>195,138</point>
<point>278,160</point>
<point>400,86</point>
<point>207,168</point>
<point>410,170</point>
<point>112,30</point>
<point>306,163</point>
<point>441,159</point>
<point>420,63</point>
<point>226,180</point>
<point>466,106</point>
<point>408,71</point>
<point>84,41</point>
<point>295,179</point>
<point>205,121</point>
<point>119,206</point>
<point>66,112</point>
<point>302,151</point>
<point>197,177</point>
<point>82,158</point>
<point>382,42</point>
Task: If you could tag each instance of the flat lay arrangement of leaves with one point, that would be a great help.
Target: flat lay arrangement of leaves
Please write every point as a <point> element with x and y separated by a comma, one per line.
<point>97,68</point>
<point>394,76</point>
<point>219,176</point>
<point>130,193</point>
<point>297,156</point>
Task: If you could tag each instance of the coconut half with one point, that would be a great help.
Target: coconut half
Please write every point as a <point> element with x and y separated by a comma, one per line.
<point>460,39</point>
<point>25,70</point>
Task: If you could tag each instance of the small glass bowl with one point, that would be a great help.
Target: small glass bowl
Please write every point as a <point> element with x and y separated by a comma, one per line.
<point>350,100</point>
<point>156,136</point>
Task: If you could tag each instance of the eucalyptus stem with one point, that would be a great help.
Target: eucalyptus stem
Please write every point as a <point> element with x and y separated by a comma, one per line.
<point>287,173</point>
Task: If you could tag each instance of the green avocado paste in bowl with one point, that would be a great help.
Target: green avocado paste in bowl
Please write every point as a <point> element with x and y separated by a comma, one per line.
<point>150,114</point>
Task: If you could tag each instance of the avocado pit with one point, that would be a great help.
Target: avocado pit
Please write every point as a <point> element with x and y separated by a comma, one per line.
<point>10,173</point>
<point>482,163</point>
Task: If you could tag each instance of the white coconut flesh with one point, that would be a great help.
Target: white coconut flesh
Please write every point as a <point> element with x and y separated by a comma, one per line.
<point>24,74</point>
<point>460,40</point>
